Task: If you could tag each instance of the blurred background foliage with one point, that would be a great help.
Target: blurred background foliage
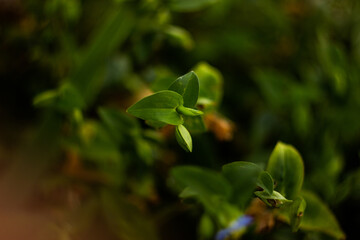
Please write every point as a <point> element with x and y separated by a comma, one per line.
<point>76,166</point>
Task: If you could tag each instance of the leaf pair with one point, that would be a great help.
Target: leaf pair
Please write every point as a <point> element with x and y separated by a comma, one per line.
<point>281,187</point>
<point>168,106</point>
<point>171,106</point>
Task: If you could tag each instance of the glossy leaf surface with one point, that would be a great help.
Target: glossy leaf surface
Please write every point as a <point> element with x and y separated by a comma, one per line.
<point>160,106</point>
<point>190,112</point>
<point>183,137</point>
<point>188,87</point>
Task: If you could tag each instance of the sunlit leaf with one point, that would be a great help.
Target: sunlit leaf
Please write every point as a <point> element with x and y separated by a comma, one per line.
<point>160,106</point>
<point>183,137</point>
<point>190,112</point>
<point>188,87</point>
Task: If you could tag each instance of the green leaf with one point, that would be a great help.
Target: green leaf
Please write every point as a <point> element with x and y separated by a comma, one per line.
<point>206,183</point>
<point>179,36</point>
<point>206,227</point>
<point>155,124</point>
<point>46,98</point>
<point>287,169</point>
<point>189,5</point>
<point>208,187</point>
<point>190,112</point>
<point>160,106</point>
<point>297,209</point>
<point>69,98</point>
<point>183,137</point>
<point>243,177</point>
<point>195,124</point>
<point>188,193</point>
<point>273,200</point>
<point>211,85</point>
<point>318,217</point>
<point>266,182</point>
<point>188,87</point>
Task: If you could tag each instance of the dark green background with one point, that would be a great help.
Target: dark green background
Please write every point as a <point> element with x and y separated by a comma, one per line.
<point>291,73</point>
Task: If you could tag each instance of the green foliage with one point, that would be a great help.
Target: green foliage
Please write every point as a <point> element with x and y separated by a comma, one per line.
<point>287,168</point>
<point>171,107</point>
<point>189,5</point>
<point>297,212</point>
<point>119,125</point>
<point>266,182</point>
<point>160,107</point>
<point>208,187</point>
<point>204,183</point>
<point>179,36</point>
<point>318,217</point>
<point>65,99</point>
<point>183,137</point>
<point>189,112</point>
<point>116,27</point>
<point>257,71</point>
<point>211,82</point>
<point>130,219</point>
<point>188,87</point>
<point>273,200</point>
<point>243,177</point>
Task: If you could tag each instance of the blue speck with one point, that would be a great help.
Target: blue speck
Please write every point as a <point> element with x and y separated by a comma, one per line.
<point>239,224</point>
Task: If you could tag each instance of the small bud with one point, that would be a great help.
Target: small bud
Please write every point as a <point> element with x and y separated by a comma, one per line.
<point>188,111</point>
<point>183,137</point>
